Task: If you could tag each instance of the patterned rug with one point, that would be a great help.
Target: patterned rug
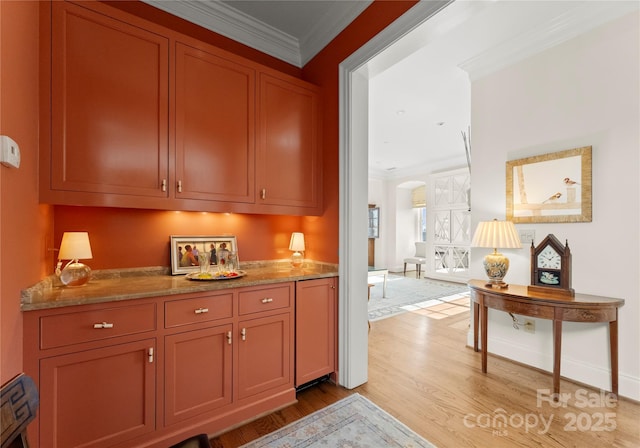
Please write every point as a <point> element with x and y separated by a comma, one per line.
<point>405,294</point>
<point>353,422</point>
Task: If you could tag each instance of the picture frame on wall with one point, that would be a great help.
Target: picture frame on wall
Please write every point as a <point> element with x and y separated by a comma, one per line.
<point>217,247</point>
<point>550,188</point>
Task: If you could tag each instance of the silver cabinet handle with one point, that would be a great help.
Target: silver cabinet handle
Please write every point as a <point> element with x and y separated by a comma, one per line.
<point>229,337</point>
<point>179,186</point>
<point>243,333</point>
<point>267,300</point>
<point>150,354</point>
<point>202,310</point>
<point>164,185</point>
<point>263,193</point>
<point>103,325</point>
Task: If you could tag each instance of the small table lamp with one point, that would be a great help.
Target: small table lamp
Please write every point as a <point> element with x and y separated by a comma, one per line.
<point>74,246</point>
<point>297,246</point>
<point>497,235</point>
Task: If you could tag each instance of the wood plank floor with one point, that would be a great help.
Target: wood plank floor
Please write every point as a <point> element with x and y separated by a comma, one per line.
<point>421,372</point>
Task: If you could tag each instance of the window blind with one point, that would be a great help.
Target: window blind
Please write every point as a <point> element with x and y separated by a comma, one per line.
<point>419,197</point>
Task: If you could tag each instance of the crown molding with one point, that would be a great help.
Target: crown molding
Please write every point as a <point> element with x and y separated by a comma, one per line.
<point>416,171</point>
<point>223,19</point>
<point>562,28</point>
<point>229,22</point>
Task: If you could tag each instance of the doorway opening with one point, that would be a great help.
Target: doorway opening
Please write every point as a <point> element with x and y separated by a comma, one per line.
<point>354,92</point>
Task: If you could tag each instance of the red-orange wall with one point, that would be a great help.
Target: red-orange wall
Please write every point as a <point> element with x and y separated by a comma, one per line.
<point>25,226</point>
<point>123,237</point>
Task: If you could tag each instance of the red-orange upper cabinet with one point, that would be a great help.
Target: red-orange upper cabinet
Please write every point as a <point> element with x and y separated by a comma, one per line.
<point>109,109</point>
<point>288,160</point>
<point>215,127</point>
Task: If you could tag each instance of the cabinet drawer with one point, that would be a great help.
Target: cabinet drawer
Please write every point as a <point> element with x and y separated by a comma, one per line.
<point>86,326</point>
<point>198,309</point>
<point>265,299</point>
<point>541,311</point>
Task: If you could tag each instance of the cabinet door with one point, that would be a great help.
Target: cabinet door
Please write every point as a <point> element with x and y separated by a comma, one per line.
<point>265,354</point>
<point>316,329</point>
<point>215,122</point>
<point>287,159</point>
<point>97,398</point>
<point>109,106</point>
<point>197,372</point>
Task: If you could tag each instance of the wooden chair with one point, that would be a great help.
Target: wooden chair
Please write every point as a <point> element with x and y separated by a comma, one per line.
<point>418,259</point>
<point>18,404</point>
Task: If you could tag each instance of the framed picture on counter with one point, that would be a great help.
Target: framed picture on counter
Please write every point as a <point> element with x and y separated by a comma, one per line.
<point>188,251</point>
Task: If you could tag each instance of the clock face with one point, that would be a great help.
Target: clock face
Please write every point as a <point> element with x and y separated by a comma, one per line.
<point>549,258</point>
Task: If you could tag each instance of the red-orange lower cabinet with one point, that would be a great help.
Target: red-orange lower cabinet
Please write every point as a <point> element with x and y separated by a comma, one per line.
<point>198,369</point>
<point>97,398</point>
<point>151,371</point>
<point>316,329</point>
<point>265,355</point>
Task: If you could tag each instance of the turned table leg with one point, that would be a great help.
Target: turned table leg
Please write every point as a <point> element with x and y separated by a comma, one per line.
<point>557,346</point>
<point>476,321</point>
<point>484,311</point>
<point>613,346</point>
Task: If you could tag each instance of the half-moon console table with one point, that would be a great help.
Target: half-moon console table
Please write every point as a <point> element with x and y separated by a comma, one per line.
<point>518,300</point>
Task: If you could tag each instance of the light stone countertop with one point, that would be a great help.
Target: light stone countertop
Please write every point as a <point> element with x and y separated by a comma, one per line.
<point>117,285</point>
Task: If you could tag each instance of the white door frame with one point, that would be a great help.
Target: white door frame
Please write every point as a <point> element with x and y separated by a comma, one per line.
<point>353,154</point>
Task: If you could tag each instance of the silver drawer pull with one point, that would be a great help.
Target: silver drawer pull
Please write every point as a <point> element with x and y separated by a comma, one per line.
<point>267,300</point>
<point>103,325</point>
<point>202,310</point>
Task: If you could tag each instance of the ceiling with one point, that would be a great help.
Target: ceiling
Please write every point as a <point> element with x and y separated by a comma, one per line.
<point>420,92</point>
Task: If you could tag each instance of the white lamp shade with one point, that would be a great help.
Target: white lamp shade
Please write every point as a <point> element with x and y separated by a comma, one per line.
<point>75,245</point>
<point>297,242</point>
<point>496,235</point>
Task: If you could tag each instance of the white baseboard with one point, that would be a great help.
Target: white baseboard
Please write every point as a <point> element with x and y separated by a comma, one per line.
<point>598,377</point>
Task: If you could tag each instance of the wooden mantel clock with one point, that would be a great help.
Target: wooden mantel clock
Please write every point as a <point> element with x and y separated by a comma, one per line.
<point>551,267</point>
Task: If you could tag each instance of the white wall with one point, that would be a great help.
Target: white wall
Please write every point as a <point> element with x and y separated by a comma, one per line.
<point>398,227</point>
<point>584,92</point>
<point>406,232</point>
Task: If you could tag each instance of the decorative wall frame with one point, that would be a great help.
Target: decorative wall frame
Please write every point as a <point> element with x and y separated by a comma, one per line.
<point>200,243</point>
<point>552,187</point>
<point>374,222</point>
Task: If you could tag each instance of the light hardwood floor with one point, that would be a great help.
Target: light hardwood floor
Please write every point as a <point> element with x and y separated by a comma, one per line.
<point>421,372</point>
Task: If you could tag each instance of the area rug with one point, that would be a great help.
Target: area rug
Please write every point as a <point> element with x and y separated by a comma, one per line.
<point>404,293</point>
<point>353,422</point>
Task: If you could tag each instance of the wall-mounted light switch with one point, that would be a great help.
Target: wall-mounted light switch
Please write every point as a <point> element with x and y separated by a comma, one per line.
<point>9,152</point>
<point>527,236</point>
